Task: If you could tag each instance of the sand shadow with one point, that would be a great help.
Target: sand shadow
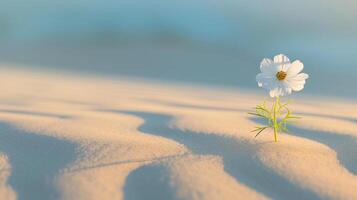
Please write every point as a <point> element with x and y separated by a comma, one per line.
<point>124,162</point>
<point>345,146</point>
<point>150,182</point>
<point>35,161</point>
<point>194,106</point>
<point>239,157</point>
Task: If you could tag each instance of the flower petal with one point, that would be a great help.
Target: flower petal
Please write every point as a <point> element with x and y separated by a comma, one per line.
<point>295,68</point>
<point>281,58</point>
<point>282,62</point>
<point>266,66</point>
<point>265,80</point>
<point>297,86</point>
<point>274,93</point>
<point>286,89</point>
<point>278,91</point>
<point>299,77</point>
<point>297,82</point>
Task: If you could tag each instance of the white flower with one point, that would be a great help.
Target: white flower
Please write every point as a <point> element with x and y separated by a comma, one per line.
<point>280,76</point>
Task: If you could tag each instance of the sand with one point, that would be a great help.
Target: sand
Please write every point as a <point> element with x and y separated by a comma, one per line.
<point>66,136</point>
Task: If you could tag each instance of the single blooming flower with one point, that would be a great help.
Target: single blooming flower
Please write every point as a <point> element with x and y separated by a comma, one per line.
<point>280,76</point>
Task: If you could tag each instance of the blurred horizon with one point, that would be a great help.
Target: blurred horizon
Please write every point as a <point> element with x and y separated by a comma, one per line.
<point>220,42</point>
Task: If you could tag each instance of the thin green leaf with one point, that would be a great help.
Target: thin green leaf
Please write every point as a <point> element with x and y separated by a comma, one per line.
<point>257,114</point>
<point>293,117</point>
<point>260,132</point>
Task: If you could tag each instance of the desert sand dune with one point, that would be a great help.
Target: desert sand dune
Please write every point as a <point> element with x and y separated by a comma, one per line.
<point>35,162</point>
<point>69,137</point>
<point>238,156</point>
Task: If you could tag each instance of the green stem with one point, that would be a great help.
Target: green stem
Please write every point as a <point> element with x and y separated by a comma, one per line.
<point>275,120</point>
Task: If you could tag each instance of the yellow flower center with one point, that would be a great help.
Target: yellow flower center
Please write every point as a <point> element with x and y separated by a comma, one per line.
<point>281,75</point>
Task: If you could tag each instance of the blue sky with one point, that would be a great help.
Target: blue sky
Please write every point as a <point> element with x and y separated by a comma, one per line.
<point>322,33</point>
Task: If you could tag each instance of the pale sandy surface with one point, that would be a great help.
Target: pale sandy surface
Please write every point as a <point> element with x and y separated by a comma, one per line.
<point>74,137</point>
